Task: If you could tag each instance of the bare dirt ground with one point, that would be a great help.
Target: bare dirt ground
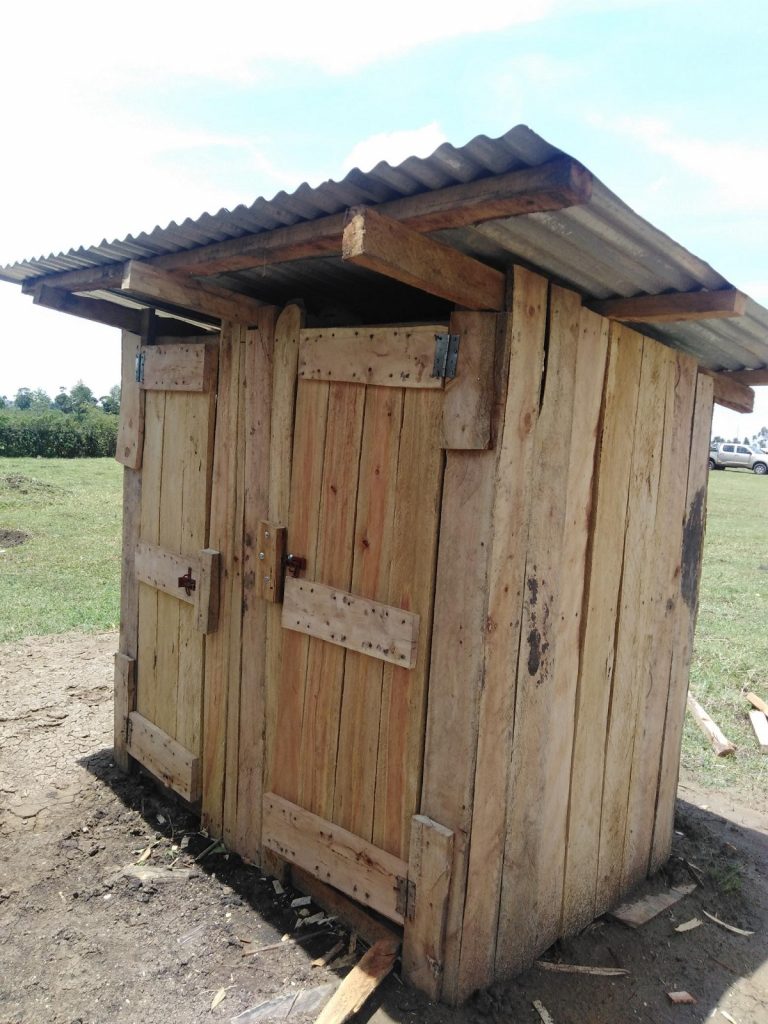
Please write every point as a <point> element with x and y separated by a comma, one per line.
<point>87,936</point>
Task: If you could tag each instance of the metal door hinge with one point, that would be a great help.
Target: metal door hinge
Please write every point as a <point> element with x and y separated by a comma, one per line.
<point>446,356</point>
<point>406,898</point>
<point>140,368</point>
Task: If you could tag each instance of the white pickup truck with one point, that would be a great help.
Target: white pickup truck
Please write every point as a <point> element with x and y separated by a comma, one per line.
<point>738,456</point>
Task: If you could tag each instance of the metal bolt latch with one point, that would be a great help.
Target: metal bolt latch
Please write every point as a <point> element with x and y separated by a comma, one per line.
<point>186,583</point>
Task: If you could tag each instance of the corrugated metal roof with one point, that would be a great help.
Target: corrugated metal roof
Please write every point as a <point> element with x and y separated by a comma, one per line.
<point>601,248</point>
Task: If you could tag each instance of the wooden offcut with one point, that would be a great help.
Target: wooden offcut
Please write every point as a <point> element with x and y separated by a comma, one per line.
<point>164,757</point>
<point>391,357</point>
<point>760,728</point>
<point>720,743</point>
<point>338,617</point>
<point>158,286</point>
<point>395,250</point>
<point>730,393</point>
<point>334,855</point>
<point>364,978</point>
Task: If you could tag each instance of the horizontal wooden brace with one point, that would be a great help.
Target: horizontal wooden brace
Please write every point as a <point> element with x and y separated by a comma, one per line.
<point>676,306</point>
<point>162,755</point>
<point>379,630</point>
<point>156,285</point>
<point>110,313</point>
<point>731,393</point>
<point>752,378</point>
<point>391,248</point>
<point>556,185</point>
<point>178,367</point>
<point>163,569</point>
<point>400,357</point>
<point>339,858</point>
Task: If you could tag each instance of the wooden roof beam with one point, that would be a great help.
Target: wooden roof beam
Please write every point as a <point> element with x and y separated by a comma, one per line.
<point>377,242</point>
<point>561,183</point>
<point>110,313</point>
<point>731,393</point>
<point>161,286</point>
<point>672,307</point>
<point>754,378</point>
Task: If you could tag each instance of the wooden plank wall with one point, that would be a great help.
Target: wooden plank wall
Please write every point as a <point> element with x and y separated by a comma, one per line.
<point>554,705</point>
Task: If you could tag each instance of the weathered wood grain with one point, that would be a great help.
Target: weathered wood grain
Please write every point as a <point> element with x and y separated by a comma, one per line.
<point>398,357</point>
<point>164,757</point>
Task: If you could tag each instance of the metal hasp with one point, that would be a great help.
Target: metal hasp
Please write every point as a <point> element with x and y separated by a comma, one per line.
<point>295,564</point>
<point>405,897</point>
<point>186,583</point>
<point>139,367</point>
<point>446,356</point>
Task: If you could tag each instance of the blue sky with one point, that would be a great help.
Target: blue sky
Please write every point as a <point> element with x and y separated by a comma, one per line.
<point>170,109</point>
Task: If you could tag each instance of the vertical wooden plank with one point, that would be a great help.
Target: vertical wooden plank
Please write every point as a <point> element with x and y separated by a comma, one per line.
<point>690,574</point>
<point>353,803</point>
<point>662,598</point>
<point>417,489</point>
<point>171,507</point>
<point>258,409</point>
<point>333,566</point>
<point>233,623</point>
<point>197,453</point>
<point>124,704</point>
<point>217,648</point>
<point>457,665</point>
<point>467,407</point>
<point>284,370</point>
<point>603,581</point>
<point>303,524</point>
<point>149,531</point>
<point>531,892</point>
<point>526,325</point>
<point>130,431</point>
<point>429,869</point>
<point>630,675</point>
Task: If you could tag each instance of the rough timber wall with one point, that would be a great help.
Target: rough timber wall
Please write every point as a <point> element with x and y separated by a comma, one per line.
<point>558,680</point>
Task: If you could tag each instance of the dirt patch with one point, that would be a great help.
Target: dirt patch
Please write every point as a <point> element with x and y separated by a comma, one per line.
<point>88,937</point>
<point>28,485</point>
<point>12,538</point>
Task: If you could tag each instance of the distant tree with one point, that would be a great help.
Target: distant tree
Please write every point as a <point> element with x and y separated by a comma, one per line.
<point>82,396</point>
<point>23,398</point>
<point>40,401</point>
<point>3,401</point>
<point>746,440</point>
<point>111,403</point>
<point>62,401</point>
<point>718,440</point>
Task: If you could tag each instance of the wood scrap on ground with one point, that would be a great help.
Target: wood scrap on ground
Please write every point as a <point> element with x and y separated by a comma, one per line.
<point>728,927</point>
<point>326,958</point>
<point>361,982</point>
<point>286,940</point>
<point>636,913</point>
<point>760,726</point>
<point>543,1012</point>
<point>720,744</point>
<point>602,972</point>
<point>681,998</point>
<point>757,702</point>
<point>688,926</point>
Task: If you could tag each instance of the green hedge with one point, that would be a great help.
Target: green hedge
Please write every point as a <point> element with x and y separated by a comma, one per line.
<point>57,435</point>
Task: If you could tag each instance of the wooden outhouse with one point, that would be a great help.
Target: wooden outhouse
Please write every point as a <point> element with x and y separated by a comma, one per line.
<point>415,490</point>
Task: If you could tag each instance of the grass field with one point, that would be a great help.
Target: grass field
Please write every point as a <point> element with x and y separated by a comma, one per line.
<point>731,647</point>
<point>66,575</point>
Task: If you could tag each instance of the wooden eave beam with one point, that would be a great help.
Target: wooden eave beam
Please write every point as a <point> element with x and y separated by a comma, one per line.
<point>391,248</point>
<point>753,378</point>
<point>731,393</point>
<point>162,286</point>
<point>561,183</point>
<point>673,307</point>
<point>110,313</point>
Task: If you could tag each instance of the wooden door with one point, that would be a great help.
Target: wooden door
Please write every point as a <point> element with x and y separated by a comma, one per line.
<point>177,575</point>
<point>366,487</point>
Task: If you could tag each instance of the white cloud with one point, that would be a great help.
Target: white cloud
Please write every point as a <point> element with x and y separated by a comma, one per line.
<point>394,147</point>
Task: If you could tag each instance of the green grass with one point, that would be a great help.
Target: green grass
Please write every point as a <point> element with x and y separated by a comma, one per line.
<point>731,646</point>
<point>67,574</point>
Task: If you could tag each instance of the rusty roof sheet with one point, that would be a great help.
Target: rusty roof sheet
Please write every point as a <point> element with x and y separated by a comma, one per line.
<point>602,248</point>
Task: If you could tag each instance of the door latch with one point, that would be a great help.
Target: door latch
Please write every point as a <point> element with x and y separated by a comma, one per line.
<point>186,583</point>
<point>295,564</point>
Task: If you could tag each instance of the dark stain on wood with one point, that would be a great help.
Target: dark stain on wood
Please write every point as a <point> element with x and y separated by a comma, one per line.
<point>693,538</point>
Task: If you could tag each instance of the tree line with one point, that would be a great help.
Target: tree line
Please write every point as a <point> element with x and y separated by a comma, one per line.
<point>78,399</point>
<point>74,424</point>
